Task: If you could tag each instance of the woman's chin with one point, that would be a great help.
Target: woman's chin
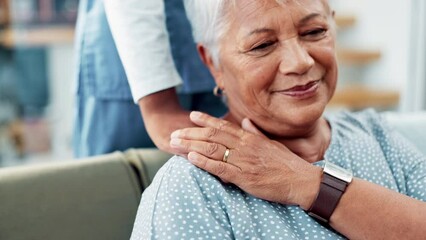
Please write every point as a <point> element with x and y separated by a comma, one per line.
<point>295,122</point>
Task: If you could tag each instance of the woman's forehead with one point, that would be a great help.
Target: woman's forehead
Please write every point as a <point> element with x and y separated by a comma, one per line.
<point>245,16</point>
<point>257,8</point>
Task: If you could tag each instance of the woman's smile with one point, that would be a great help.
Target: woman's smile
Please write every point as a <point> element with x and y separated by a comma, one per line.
<point>277,62</point>
<point>302,91</point>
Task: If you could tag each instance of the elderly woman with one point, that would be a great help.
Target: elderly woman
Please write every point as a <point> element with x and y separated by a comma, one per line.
<point>286,174</point>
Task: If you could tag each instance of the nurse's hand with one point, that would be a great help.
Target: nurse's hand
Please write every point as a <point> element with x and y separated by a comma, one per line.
<point>243,156</point>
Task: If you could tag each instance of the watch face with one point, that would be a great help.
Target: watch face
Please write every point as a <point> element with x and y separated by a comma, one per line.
<point>338,172</point>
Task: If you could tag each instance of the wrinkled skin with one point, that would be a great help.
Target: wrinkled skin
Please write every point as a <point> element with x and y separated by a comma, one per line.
<point>278,69</point>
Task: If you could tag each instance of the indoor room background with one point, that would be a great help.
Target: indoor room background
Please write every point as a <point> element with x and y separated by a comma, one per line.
<point>381,51</point>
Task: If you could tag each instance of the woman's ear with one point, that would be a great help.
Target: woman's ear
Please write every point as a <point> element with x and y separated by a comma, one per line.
<point>207,59</point>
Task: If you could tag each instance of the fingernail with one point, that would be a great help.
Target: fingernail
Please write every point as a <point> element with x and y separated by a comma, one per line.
<point>175,142</point>
<point>195,115</point>
<point>175,134</point>
<point>245,123</point>
<point>192,157</point>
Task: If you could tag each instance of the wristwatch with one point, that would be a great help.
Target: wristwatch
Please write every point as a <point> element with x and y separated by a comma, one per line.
<point>333,184</point>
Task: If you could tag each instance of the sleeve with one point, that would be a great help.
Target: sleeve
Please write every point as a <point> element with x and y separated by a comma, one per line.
<point>140,33</point>
<point>404,155</point>
<point>417,181</point>
<point>414,167</point>
<point>183,202</point>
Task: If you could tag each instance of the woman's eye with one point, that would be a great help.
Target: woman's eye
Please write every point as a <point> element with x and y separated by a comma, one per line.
<point>315,33</point>
<point>262,46</point>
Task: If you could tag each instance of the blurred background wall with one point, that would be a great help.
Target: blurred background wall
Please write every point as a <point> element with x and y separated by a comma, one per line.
<point>381,50</point>
<point>36,77</point>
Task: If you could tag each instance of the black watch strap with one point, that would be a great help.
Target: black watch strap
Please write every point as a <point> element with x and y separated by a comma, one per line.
<point>331,190</point>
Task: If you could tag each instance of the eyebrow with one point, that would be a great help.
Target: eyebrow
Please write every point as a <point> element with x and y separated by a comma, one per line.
<point>303,21</point>
<point>307,18</point>
<point>259,31</point>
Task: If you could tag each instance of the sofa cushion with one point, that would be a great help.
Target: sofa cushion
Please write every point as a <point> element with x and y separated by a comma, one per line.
<point>94,198</point>
<point>147,161</point>
<point>412,126</point>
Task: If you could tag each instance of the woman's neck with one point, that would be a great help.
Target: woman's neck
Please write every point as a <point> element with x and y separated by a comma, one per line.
<point>311,146</point>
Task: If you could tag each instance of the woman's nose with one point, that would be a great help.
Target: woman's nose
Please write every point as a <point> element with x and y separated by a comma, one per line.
<point>295,58</point>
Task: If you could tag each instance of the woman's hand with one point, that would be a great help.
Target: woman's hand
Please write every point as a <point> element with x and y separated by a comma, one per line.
<point>256,164</point>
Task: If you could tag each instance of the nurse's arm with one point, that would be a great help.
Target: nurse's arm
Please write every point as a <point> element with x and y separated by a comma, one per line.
<point>162,114</point>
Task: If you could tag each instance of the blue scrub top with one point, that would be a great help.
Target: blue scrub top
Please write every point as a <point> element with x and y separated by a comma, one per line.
<point>196,77</point>
<point>100,72</point>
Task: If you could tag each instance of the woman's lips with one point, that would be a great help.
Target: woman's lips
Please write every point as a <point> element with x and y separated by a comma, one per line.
<point>304,91</point>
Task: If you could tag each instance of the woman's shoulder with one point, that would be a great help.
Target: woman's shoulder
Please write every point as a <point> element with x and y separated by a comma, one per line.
<point>178,175</point>
<point>179,198</point>
<point>367,121</point>
<point>180,167</point>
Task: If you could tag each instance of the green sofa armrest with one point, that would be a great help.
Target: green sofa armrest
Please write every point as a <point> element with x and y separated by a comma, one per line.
<point>92,198</point>
<point>147,161</point>
<point>95,198</point>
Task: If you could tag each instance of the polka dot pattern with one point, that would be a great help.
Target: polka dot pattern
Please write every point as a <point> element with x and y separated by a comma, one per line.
<point>185,202</point>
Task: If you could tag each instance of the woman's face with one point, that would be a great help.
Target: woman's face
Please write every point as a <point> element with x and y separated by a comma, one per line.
<point>277,63</point>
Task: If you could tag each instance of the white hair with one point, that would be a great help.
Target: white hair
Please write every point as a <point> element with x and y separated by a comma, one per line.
<point>207,18</point>
<point>209,21</point>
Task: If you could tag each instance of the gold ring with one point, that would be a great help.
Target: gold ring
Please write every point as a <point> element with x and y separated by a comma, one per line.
<point>226,155</point>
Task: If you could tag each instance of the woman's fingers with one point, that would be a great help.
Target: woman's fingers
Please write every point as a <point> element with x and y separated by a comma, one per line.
<point>207,134</point>
<point>226,172</point>
<point>247,125</point>
<point>211,150</point>
<point>205,120</point>
<point>215,130</point>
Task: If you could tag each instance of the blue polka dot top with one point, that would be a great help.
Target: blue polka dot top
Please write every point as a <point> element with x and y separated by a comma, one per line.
<point>185,202</point>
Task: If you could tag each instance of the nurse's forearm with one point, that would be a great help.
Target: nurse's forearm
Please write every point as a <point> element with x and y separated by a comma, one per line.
<point>162,114</point>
